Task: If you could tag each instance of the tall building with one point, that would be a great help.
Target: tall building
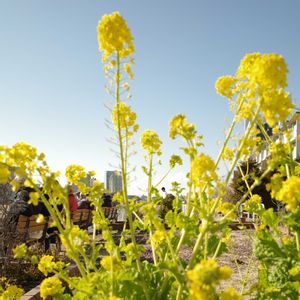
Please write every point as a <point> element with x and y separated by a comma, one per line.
<point>113,181</point>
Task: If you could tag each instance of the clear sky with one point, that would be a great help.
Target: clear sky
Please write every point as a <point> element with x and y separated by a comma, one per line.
<point>52,84</point>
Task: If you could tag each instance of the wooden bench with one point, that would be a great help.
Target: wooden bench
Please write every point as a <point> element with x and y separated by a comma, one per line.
<point>31,229</point>
<point>82,217</point>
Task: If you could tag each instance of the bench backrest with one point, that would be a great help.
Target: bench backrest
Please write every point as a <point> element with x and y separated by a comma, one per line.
<point>110,213</point>
<point>82,217</point>
<point>29,228</point>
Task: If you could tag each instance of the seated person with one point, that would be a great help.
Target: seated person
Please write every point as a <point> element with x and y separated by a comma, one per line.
<point>73,205</point>
<point>107,200</point>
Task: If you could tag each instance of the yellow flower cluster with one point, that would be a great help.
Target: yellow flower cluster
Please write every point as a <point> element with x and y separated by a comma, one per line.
<point>228,154</point>
<point>279,154</point>
<point>75,173</point>
<point>175,159</point>
<point>51,287</point>
<point>47,265</point>
<point>123,116</point>
<point>22,158</point>
<point>203,170</point>
<point>157,238</point>
<point>34,198</point>
<point>179,126</point>
<point>260,80</point>
<point>230,294</point>
<point>224,86</point>
<point>110,262</point>
<point>4,174</point>
<point>289,193</point>
<point>150,142</point>
<point>204,277</point>
<point>20,251</point>
<point>10,292</point>
<point>114,36</point>
<point>295,271</point>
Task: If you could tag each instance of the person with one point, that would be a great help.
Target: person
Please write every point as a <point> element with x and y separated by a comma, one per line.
<point>21,205</point>
<point>164,192</point>
<point>84,203</point>
<point>73,205</point>
<point>107,200</point>
<point>166,205</point>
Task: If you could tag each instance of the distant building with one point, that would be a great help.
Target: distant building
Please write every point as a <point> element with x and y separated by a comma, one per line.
<point>113,181</point>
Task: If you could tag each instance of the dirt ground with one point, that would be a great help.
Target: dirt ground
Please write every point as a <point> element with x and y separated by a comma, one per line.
<point>239,258</point>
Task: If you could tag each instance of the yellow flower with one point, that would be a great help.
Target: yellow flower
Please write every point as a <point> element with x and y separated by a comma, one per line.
<point>75,173</point>
<point>175,159</point>
<point>295,271</point>
<point>4,174</point>
<point>203,170</point>
<point>114,36</point>
<point>228,154</point>
<point>179,126</point>
<point>246,66</point>
<point>20,251</point>
<point>151,142</point>
<point>276,105</point>
<point>204,276</point>
<point>127,69</point>
<point>208,272</point>
<point>270,71</point>
<point>230,294</point>
<point>47,265</point>
<point>51,287</point>
<point>157,238</point>
<point>34,198</point>
<point>224,86</point>
<point>290,193</point>
<point>275,130</point>
<point>110,262</point>
<point>123,115</point>
<point>11,292</point>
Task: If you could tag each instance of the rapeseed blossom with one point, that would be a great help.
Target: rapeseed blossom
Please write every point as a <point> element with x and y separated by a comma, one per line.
<point>4,174</point>
<point>51,287</point>
<point>151,142</point>
<point>224,86</point>
<point>47,265</point>
<point>179,126</point>
<point>203,278</point>
<point>230,294</point>
<point>258,83</point>
<point>75,173</point>
<point>289,193</point>
<point>203,170</point>
<point>114,36</point>
<point>175,159</point>
<point>109,262</point>
<point>20,251</point>
<point>123,116</point>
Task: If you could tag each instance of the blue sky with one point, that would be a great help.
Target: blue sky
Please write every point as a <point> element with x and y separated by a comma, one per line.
<point>52,84</point>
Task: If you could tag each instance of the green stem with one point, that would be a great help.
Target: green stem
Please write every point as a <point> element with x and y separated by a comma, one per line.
<point>123,157</point>
<point>149,199</point>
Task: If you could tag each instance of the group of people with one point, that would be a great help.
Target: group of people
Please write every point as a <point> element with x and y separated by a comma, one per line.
<point>21,205</point>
